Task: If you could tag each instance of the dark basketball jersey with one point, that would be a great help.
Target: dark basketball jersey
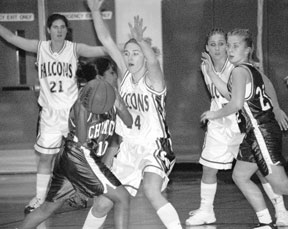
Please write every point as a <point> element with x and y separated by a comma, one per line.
<point>257,107</point>
<point>100,129</point>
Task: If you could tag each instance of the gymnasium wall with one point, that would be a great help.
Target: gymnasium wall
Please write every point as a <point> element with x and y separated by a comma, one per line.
<point>177,27</point>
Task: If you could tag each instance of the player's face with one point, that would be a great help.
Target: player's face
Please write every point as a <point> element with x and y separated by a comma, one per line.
<point>216,47</point>
<point>58,30</point>
<point>237,49</point>
<point>133,57</point>
<point>110,76</point>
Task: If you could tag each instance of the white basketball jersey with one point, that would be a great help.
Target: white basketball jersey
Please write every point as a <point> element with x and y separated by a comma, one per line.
<point>56,72</point>
<point>147,108</point>
<point>217,100</point>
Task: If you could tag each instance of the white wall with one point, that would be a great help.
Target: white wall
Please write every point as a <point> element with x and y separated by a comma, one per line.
<point>149,10</point>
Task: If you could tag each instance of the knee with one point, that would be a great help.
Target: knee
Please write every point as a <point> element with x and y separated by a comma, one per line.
<point>101,207</point>
<point>209,175</point>
<point>150,192</point>
<point>237,178</point>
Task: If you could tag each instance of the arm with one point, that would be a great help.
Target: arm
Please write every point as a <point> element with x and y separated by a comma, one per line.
<point>280,115</point>
<point>20,42</point>
<point>81,115</point>
<point>122,110</point>
<point>90,51</point>
<point>239,78</point>
<point>105,36</point>
<point>217,81</point>
<point>155,76</point>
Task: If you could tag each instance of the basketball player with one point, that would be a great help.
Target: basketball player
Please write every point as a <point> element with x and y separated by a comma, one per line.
<point>78,169</point>
<point>261,147</point>
<point>145,152</point>
<point>57,63</point>
<point>223,137</point>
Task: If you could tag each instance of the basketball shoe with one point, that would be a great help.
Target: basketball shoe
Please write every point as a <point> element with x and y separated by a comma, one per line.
<point>33,204</point>
<point>200,217</point>
<point>265,226</point>
<point>282,218</point>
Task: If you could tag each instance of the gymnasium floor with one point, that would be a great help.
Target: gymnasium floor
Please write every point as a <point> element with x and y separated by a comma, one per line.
<point>232,210</point>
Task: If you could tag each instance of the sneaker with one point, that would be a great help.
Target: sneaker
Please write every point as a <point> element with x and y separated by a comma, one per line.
<point>282,218</point>
<point>265,226</point>
<point>33,204</point>
<point>200,217</point>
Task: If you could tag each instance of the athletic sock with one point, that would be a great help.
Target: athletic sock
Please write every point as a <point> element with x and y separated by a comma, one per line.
<point>264,216</point>
<point>42,181</point>
<point>276,199</point>
<point>92,222</point>
<point>207,194</point>
<point>169,216</point>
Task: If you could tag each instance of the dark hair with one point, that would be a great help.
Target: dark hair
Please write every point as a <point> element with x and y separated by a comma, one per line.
<point>213,32</point>
<point>54,17</point>
<point>85,72</point>
<point>103,64</point>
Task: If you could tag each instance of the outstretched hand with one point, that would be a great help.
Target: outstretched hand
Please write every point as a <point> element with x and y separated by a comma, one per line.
<point>137,30</point>
<point>206,116</point>
<point>281,118</point>
<point>94,5</point>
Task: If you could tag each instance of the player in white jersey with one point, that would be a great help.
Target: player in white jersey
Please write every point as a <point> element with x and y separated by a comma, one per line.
<point>145,152</point>
<point>223,137</point>
<point>240,46</point>
<point>57,63</point>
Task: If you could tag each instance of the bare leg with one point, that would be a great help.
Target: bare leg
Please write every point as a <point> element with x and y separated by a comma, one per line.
<point>152,184</point>
<point>278,180</point>
<point>40,214</point>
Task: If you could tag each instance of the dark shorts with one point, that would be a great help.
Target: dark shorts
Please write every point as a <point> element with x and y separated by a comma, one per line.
<point>79,171</point>
<point>263,145</point>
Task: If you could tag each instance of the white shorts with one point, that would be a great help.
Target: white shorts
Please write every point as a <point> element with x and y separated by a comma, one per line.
<point>53,125</point>
<point>220,148</point>
<point>134,159</point>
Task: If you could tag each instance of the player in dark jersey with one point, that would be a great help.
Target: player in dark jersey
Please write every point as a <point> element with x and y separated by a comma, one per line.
<point>79,170</point>
<point>261,148</point>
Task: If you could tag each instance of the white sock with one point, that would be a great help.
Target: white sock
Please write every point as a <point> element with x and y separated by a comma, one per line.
<point>169,216</point>
<point>207,194</point>
<point>264,216</point>
<point>276,199</point>
<point>42,181</point>
<point>92,222</point>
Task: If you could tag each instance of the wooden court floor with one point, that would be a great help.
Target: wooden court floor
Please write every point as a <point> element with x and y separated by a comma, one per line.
<point>231,208</point>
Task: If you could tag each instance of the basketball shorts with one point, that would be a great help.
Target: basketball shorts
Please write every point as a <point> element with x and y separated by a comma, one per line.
<point>79,170</point>
<point>263,145</point>
<point>133,160</point>
<point>53,125</point>
<point>220,147</point>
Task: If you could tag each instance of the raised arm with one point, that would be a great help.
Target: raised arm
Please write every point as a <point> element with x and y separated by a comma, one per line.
<point>90,51</point>
<point>105,36</point>
<point>155,75</point>
<point>20,42</point>
<point>280,115</point>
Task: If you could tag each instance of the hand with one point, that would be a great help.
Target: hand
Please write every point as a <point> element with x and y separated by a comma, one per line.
<point>286,80</point>
<point>207,115</point>
<point>137,30</point>
<point>94,5</point>
<point>281,118</point>
<point>206,58</point>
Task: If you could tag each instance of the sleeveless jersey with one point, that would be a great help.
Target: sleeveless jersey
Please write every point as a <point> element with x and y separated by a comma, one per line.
<point>100,129</point>
<point>257,107</point>
<point>56,72</point>
<point>147,108</point>
<point>217,100</point>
